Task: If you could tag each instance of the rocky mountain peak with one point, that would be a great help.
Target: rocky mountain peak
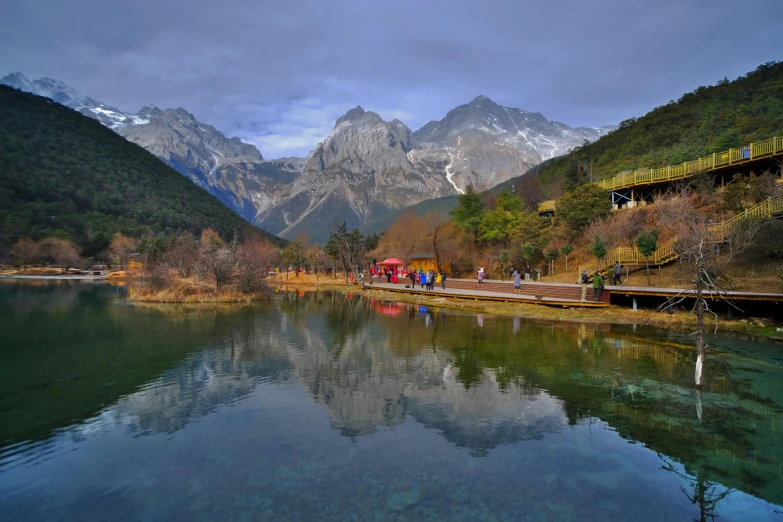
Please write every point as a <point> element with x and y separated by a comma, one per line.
<point>17,80</point>
<point>352,115</point>
<point>184,115</point>
<point>481,100</point>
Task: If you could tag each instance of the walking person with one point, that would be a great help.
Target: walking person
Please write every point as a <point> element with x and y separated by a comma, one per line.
<point>584,280</point>
<point>598,285</point>
<point>480,275</point>
<point>422,277</point>
<point>443,279</point>
<point>527,273</point>
<point>517,281</point>
<point>430,283</point>
<point>412,276</point>
<point>618,272</point>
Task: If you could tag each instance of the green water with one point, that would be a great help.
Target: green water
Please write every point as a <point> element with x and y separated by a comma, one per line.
<point>324,407</point>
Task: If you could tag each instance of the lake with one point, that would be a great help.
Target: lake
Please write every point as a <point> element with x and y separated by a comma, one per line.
<point>323,406</point>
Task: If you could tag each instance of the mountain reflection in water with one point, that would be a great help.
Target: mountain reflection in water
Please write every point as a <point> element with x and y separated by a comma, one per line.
<point>376,369</point>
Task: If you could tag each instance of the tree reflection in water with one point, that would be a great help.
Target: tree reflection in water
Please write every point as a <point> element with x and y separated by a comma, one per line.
<point>704,493</point>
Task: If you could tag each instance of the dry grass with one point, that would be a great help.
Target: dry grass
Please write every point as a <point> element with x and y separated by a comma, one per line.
<point>190,290</point>
<point>34,271</point>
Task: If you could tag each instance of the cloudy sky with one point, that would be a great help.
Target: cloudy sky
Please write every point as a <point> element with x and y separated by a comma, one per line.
<point>278,73</point>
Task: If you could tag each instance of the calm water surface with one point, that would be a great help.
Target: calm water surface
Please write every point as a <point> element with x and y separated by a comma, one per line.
<point>324,407</point>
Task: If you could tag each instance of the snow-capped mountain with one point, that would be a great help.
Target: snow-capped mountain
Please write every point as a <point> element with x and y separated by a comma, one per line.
<point>233,171</point>
<point>484,143</point>
<point>365,167</point>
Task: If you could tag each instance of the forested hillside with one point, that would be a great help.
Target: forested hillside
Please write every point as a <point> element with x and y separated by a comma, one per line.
<point>709,119</point>
<point>65,175</point>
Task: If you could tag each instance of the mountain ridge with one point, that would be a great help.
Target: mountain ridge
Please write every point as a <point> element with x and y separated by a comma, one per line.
<point>365,168</point>
<point>65,174</point>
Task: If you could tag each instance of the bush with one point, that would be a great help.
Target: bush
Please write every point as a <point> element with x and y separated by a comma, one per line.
<point>582,206</point>
<point>768,240</point>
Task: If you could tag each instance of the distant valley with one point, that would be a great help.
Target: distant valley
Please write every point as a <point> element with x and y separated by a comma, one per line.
<point>364,169</point>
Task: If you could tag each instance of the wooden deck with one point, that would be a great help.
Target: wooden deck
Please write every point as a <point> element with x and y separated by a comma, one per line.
<point>556,294</point>
<point>550,294</point>
<point>671,292</point>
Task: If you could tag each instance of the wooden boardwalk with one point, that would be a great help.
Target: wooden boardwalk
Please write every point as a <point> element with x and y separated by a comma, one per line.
<point>550,294</point>
<point>556,294</point>
<point>671,292</point>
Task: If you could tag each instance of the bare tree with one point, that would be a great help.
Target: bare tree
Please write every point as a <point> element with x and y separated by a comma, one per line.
<point>120,249</point>
<point>705,251</point>
<point>255,258</point>
<point>182,254</point>
<point>219,259</point>
<point>25,252</point>
<point>445,239</point>
<point>406,237</point>
<point>63,252</point>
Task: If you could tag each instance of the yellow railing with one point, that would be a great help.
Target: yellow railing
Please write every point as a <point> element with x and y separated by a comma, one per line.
<point>718,160</point>
<point>765,209</point>
<point>632,256</point>
<point>666,252</point>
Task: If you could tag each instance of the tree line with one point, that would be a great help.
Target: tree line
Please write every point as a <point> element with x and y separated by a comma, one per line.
<point>66,176</point>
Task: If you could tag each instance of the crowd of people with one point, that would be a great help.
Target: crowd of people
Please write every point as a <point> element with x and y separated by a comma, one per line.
<point>393,274</point>
<point>427,280</point>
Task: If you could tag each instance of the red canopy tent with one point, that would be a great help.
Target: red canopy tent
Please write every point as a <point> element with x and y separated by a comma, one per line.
<point>391,261</point>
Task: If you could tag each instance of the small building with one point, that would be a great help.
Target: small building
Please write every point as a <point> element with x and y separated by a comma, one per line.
<point>427,262</point>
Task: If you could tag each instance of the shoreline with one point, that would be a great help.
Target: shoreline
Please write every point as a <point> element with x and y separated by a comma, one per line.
<point>680,321</point>
<point>57,277</point>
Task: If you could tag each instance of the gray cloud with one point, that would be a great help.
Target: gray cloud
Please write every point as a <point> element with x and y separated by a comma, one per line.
<point>279,72</point>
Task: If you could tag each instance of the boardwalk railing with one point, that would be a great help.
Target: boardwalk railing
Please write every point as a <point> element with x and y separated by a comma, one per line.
<point>719,160</point>
<point>716,161</point>
<point>666,252</point>
<point>632,256</point>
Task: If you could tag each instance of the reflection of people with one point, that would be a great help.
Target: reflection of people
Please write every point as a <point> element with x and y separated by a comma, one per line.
<point>480,320</point>
<point>515,320</point>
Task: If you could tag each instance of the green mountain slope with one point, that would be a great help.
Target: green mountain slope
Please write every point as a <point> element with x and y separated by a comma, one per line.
<point>709,119</point>
<point>62,173</point>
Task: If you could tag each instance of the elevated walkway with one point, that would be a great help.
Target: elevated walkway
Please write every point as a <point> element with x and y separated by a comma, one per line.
<point>666,252</point>
<point>755,152</point>
<point>720,160</point>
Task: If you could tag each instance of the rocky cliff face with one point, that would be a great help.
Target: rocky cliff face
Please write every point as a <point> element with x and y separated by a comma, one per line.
<point>365,168</point>
<point>360,171</point>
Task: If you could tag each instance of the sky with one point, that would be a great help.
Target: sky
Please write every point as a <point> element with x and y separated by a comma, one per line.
<point>279,73</point>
